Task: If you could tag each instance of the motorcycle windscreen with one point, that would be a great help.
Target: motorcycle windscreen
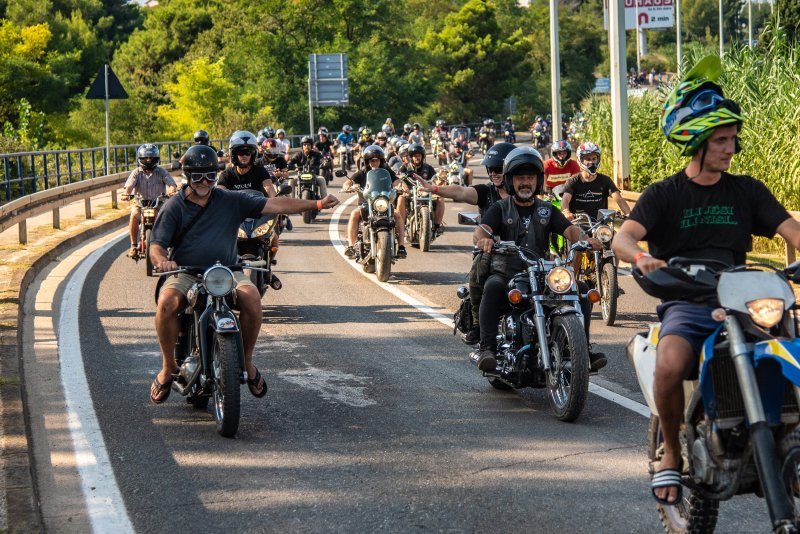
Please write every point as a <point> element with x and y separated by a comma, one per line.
<point>378,181</point>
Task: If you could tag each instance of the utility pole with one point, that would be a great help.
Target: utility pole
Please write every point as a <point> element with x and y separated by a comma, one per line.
<point>678,38</point>
<point>619,94</point>
<point>721,36</point>
<point>555,72</point>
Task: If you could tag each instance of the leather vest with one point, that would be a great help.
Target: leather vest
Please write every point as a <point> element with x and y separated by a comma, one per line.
<point>537,236</point>
<point>492,197</point>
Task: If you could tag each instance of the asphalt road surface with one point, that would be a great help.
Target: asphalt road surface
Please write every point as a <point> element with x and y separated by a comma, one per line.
<point>375,420</point>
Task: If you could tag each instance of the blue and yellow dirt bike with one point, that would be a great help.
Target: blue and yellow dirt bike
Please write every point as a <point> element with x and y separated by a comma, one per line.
<point>740,418</point>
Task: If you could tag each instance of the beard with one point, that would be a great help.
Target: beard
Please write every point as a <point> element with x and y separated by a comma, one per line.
<point>524,195</point>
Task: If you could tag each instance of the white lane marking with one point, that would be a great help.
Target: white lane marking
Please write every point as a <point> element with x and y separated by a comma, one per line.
<point>104,503</point>
<point>331,385</point>
<point>333,232</point>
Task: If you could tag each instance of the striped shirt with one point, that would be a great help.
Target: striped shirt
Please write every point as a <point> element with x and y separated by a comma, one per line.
<point>152,185</point>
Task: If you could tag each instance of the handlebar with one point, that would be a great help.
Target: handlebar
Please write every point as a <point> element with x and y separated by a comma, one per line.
<point>198,269</point>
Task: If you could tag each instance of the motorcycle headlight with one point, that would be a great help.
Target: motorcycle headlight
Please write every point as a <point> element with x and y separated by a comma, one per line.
<point>766,312</point>
<point>218,281</point>
<point>559,280</point>
<point>242,234</point>
<point>264,228</point>
<point>149,212</point>
<point>306,177</point>
<point>381,204</point>
<point>604,233</point>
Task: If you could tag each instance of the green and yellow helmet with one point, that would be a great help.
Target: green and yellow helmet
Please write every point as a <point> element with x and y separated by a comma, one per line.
<point>696,106</point>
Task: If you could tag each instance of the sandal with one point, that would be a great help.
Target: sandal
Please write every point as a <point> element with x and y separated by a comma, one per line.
<point>667,478</point>
<point>160,392</point>
<point>257,385</point>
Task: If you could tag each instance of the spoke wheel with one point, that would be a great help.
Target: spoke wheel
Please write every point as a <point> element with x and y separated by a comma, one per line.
<point>227,392</point>
<point>425,230</point>
<point>383,256</point>
<point>568,378</point>
<point>609,292</point>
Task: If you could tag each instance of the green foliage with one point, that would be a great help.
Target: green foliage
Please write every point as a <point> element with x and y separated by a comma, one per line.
<point>30,129</point>
<point>789,17</point>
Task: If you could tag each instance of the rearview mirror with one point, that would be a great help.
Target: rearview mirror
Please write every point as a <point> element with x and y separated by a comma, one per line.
<point>340,173</point>
<point>468,219</point>
<point>284,189</point>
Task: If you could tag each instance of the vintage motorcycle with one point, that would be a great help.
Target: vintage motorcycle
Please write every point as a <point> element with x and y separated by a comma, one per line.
<point>345,153</point>
<point>740,418</point>
<point>306,187</point>
<point>148,210</point>
<point>541,342</point>
<point>209,348</point>
<point>485,141</point>
<point>419,222</point>
<point>376,246</point>
<point>509,136</point>
<point>254,243</point>
<point>599,269</point>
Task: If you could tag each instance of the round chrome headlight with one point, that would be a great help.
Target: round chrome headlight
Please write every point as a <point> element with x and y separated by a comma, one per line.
<point>218,281</point>
<point>559,280</point>
<point>766,312</point>
<point>242,234</point>
<point>604,233</point>
<point>381,204</point>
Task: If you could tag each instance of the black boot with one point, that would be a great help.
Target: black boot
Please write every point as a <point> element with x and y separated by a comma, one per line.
<point>473,337</point>
<point>597,360</point>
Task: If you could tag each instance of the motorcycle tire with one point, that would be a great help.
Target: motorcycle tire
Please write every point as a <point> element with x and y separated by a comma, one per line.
<point>425,229</point>
<point>693,513</point>
<point>568,380</point>
<point>148,261</point>
<point>609,290</point>
<point>308,216</point>
<point>790,463</point>
<point>227,393</point>
<point>383,256</point>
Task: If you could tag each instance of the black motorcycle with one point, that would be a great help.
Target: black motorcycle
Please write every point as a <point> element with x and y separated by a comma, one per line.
<point>209,350</point>
<point>541,342</point>
<point>307,188</point>
<point>148,211</point>
<point>419,222</point>
<point>326,169</point>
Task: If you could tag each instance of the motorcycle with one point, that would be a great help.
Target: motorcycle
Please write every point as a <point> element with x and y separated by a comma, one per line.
<point>326,169</point>
<point>306,187</point>
<point>599,269</point>
<point>148,211</point>
<point>510,136</point>
<point>419,223</point>
<point>345,157</point>
<point>209,349</point>
<point>740,418</point>
<point>541,342</point>
<point>254,243</point>
<point>376,246</point>
<point>485,141</point>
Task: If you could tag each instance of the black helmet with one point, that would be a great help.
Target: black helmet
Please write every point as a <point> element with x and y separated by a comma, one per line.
<point>523,160</point>
<point>416,148</point>
<point>373,151</point>
<point>416,126</point>
<point>496,154</point>
<point>199,158</point>
<point>242,142</point>
<point>201,137</point>
<point>269,132</point>
<point>306,140</point>
<point>146,152</point>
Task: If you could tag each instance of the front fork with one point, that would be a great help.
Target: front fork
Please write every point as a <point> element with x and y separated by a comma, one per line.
<point>781,511</point>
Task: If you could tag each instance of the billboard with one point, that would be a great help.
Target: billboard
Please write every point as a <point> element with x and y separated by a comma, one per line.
<point>327,80</point>
<point>652,14</point>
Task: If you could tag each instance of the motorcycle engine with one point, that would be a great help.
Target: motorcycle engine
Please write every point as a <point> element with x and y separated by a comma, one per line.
<point>509,329</point>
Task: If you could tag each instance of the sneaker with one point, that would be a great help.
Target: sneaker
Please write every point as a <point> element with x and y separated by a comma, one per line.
<point>473,337</point>
<point>275,283</point>
<point>620,291</point>
<point>597,360</point>
<point>401,251</point>
<point>350,252</point>
<point>438,229</point>
<point>133,252</point>
<point>486,360</point>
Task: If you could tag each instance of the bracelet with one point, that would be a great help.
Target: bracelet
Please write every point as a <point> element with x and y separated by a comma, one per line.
<point>435,189</point>
<point>319,205</point>
<point>640,255</point>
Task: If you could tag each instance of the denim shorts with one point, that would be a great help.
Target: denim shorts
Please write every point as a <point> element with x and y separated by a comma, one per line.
<point>690,321</point>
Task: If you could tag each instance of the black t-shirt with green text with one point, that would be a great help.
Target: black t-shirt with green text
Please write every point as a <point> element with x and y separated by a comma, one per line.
<point>716,221</point>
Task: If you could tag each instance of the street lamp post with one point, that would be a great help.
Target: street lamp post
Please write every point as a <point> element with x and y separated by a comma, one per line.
<point>555,72</point>
<point>721,36</point>
<point>678,38</point>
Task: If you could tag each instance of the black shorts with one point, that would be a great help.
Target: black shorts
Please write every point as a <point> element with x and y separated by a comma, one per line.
<point>690,321</point>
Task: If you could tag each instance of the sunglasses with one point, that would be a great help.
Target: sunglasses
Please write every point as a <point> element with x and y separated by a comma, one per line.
<point>495,170</point>
<point>197,177</point>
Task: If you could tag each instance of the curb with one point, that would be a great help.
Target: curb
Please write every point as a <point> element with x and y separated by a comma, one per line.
<point>19,469</point>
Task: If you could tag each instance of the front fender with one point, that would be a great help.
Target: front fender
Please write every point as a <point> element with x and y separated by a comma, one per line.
<point>222,322</point>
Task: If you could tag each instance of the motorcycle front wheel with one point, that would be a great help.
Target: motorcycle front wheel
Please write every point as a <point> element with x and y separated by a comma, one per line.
<point>148,261</point>
<point>425,230</point>
<point>693,513</point>
<point>790,463</point>
<point>308,216</point>
<point>226,374</point>
<point>568,378</point>
<point>608,297</point>
<point>383,256</point>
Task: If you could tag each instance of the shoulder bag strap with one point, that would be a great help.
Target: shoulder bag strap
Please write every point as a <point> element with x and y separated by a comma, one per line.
<point>191,223</point>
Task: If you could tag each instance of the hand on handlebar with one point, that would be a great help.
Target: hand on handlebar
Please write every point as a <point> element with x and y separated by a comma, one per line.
<point>595,243</point>
<point>165,266</point>
<point>648,264</point>
<point>485,244</point>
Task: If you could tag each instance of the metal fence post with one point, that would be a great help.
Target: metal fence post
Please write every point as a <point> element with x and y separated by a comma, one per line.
<point>8,179</point>
<point>80,166</point>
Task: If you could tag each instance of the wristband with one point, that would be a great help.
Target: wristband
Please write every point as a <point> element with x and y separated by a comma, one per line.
<point>640,255</point>
<point>435,189</point>
<point>319,205</point>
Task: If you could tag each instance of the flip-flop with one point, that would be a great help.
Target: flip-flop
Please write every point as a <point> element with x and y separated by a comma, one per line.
<point>254,383</point>
<point>157,389</point>
<point>667,478</point>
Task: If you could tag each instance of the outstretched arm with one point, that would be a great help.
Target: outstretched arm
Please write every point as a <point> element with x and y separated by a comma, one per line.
<point>297,205</point>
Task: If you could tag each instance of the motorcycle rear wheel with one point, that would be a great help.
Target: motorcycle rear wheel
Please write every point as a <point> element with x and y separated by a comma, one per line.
<point>608,298</point>
<point>383,256</point>
<point>693,513</point>
<point>568,380</point>
<point>425,230</point>
<point>148,261</point>
<point>227,392</point>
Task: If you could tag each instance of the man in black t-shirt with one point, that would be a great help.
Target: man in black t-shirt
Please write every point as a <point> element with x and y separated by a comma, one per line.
<point>700,212</point>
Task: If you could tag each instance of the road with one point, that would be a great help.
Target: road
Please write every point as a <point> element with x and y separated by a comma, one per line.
<point>375,420</point>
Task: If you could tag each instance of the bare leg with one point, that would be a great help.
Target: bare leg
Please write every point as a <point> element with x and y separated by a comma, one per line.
<point>400,228</point>
<point>675,360</point>
<point>274,245</point>
<point>133,228</point>
<point>438,211</point>
<point>170,302</point>
<point>249,303</point>
<point>352,226</point>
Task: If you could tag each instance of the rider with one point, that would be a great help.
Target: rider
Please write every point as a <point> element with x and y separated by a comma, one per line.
<point>388,127</point>
<point>700,212</point>
<point>483,196</point>
<point>283,143</point>
<point>345,138</point>
<point>561,167</point>
<point>401,158</point>
<point>488,129</point>
<point>211,238</point>
<point>200,137</point>
<point>508,126</point>
<point>311,159</point>
<point>324,144</point>
<point>522,218</point>
<point>273,160</point>
<point>149,181</point>
<point>407,129</point>
<point>416,135</point>
<point>381,139</point>
<point>461,156</point>
<point>417,168</point>
<point>374,158</point>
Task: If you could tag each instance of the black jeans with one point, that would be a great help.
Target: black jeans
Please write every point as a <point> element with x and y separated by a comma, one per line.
<point>495,303</point>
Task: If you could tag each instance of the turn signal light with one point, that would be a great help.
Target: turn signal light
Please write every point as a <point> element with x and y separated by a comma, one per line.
<point>593,295</point>
<point>274,250</point>
<point>515,296</point>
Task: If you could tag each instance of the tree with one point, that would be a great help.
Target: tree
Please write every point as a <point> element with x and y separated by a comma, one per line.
<point>788,12</point>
